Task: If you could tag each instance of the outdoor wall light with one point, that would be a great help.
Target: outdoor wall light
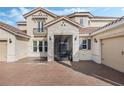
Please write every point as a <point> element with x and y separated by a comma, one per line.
<point>49,37</point>
<point>10,41</point>
<point>76,38</point>
<point>95,40</point>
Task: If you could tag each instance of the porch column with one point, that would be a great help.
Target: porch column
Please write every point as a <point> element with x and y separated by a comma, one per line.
<point>75,47</point>
<point>50,53</point>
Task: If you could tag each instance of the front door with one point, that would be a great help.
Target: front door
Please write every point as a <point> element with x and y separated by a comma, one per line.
<point>63,47</point>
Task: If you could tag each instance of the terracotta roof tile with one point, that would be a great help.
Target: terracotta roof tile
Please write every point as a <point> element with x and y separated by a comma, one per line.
<point>57,18</point>
<point>87,30</point>
<point>12,29</point>
<point>105,17</point>
<point>113,22</point>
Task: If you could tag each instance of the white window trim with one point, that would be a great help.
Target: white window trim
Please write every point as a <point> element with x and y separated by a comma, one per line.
<point>81,21</point>
<point>85,44</point>
<point>40,26</point>
<point>43,46</point>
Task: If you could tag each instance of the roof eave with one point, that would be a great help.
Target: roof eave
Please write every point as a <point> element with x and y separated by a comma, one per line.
<point>47,25</point>
<point>37,9</point>
<point>107,28</point>
<point>16,34</point>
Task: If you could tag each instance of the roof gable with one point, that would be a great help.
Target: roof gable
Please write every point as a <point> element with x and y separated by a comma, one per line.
<point>62,18</point>
<point>39,9</point>
<point>13,30</point>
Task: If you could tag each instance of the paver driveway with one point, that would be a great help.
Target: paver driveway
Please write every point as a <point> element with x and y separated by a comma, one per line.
<point>30,72</point>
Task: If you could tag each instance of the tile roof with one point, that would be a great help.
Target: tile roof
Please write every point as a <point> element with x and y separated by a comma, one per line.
<point>112,23</point>
<point>63,17</point>
<point>73,14</point>
<point>87,30</point>
<point>39,9</point>
<point>12,29</point>
<point>105,17</point>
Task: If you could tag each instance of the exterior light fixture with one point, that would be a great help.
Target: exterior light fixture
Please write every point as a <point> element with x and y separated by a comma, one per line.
<point>95,40</point>
<point>49,37</point>
<point>10,41</point>
<point>76,38</point>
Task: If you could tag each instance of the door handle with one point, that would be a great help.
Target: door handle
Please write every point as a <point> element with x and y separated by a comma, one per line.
<point>122,52</point>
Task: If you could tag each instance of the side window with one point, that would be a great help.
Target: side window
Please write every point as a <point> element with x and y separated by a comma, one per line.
<point>40,26</point>
<point>85,44</point>
<point>45,46</point>
<point>38,29</point>
<point>40,46</point>
<point>89,23</point>
<point>81,21</point>
<point>89,44</point>
<point>34,46</point>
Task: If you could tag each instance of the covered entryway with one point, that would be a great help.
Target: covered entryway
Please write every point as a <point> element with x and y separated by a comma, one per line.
<point>113,53</point>
<point>3,50</point>
<point>63,47</point>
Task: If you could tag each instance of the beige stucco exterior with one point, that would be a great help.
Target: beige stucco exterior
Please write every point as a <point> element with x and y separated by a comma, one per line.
<point>22,27</point>
<point>31,24</point>
<point>4,35</point>
<point>21,47</point>
<point>17,48</point>
<point>99,23</point>
<point>85,21</point>
<point>96,47</point>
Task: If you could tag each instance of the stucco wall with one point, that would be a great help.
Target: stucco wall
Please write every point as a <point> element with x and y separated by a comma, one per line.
<point>99,23</point>
<point>33,24</point>
<point>85,20</point>
<point>21,48</point>
<point>96,49</point>
<point>22,27</point>
<point>4,35</point>
<point>58,29</point>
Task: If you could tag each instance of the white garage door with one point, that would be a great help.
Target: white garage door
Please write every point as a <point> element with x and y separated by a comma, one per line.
<point>113,53</point>
<point>3,50</point>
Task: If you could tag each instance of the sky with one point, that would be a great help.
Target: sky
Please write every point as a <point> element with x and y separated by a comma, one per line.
<point>11,15</point>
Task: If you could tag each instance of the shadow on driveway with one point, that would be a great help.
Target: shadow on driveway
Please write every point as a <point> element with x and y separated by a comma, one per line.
<point>99,71</point>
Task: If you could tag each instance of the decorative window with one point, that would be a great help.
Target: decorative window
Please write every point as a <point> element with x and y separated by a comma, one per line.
<point>85,44</point>
<point>40,26</point>
<point>45,46</point>
<point>81,21</point>
<point>34,46</point>
<point>89,22</point>
<point>40,46</point>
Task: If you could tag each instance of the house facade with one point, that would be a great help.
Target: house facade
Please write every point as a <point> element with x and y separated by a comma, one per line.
<point>75,37</point>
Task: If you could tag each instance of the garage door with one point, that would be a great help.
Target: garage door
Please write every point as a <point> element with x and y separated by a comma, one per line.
<point>3,50</point>
<point>113,53</point>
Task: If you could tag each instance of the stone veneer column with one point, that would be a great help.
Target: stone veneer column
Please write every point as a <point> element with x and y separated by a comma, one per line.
<point>50,54</point>
<point>75,48</point>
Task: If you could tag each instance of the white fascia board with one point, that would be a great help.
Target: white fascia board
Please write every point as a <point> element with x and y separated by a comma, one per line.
<point>84,34</point>
<point>108,28</point>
